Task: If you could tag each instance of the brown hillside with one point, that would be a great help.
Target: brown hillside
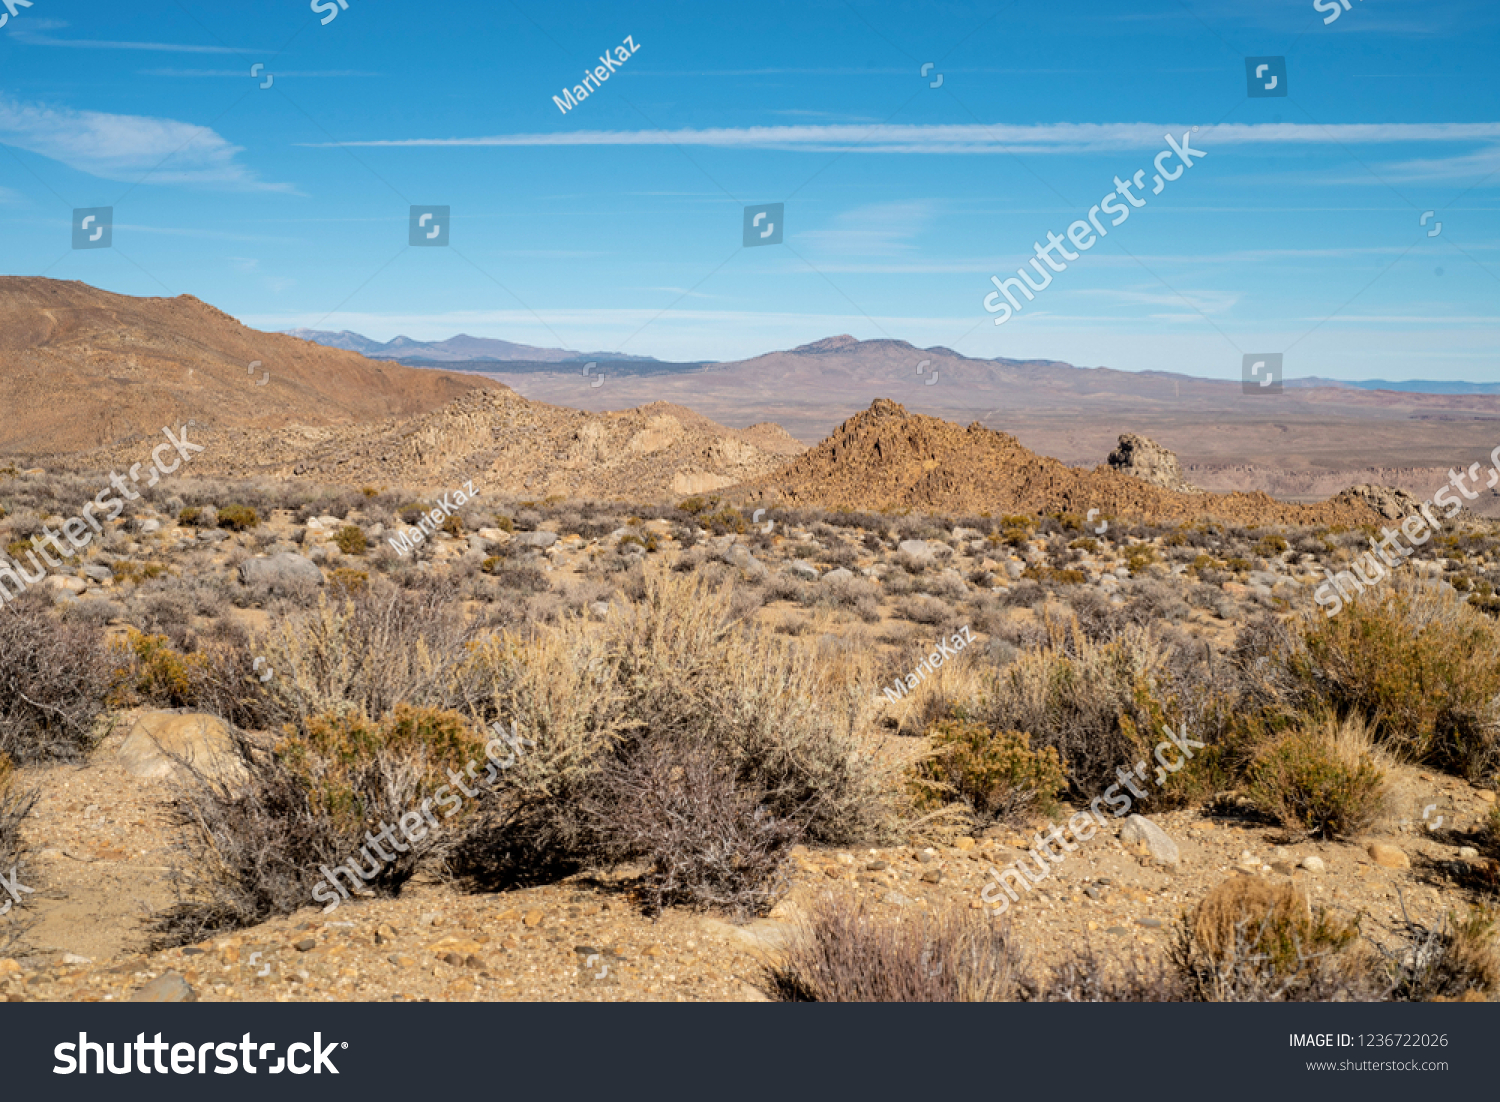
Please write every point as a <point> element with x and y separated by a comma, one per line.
<point>509,445</point>
<point>888,459</point>
<point>82,368</point>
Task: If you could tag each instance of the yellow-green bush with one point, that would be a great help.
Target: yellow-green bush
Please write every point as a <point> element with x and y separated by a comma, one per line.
<point>1420,666</point>
<point>1321,779</point>
<point>238,518</point>
<point>351,540</point>
<point>996,773</point>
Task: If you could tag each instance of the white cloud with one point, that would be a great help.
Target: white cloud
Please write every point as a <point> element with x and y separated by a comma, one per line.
<point>128,147</point>
<point>1000,138</point>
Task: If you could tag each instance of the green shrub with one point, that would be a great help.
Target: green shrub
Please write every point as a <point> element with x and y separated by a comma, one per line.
<point>1321,780</point>
<point>1268,547</point>
<point>238,518</point>
<point>351,540</point>
<point>996,773</point>
<point>1419,665</point>
<point>189,516</point>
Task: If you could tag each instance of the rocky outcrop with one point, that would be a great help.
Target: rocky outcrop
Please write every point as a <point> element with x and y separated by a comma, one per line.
<point>1147,460</point>
<point>1388,501</point>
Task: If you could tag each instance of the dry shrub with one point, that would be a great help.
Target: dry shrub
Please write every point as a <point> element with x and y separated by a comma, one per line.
<point>1253,941</point>
<point>706,836</point>
<point>1089,701</point>
<point>255,847</point>
<point>669,687</point>
<point>1322,779</point>
<point>843,952</point>
<point>16,803</point>
<point>1454,961</point>
<point>1419,664</point>
<point>215,678</point>
<point>365,650</point>
<point>995,773</point>
<point>54,676</point>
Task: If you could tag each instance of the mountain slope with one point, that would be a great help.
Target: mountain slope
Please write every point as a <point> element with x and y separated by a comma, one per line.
<point>82,368</point>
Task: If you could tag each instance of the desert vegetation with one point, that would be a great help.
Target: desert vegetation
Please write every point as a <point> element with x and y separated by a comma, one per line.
<point>707,706</point>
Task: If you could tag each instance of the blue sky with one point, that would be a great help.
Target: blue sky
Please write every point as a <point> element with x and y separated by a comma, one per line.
<point>618,224</point>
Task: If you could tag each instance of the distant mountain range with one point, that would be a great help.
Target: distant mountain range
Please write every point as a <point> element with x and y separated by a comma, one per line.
<point>460,349</point>
<point>1410,386</point>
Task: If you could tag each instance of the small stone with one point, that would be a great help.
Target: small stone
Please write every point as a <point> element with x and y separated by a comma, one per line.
<point>1158,845</point>
<point>73,958</point>
<point>532,919</point>
<point>8,967</point>
<point>926,857</point>
<point>964,844</point>
<point>305,944</point>
<point>877,866</point>
<point>384,935</point>
<point>168,988</point>
<point>932,876</point>
<point>1117,930</point>
<point>510,914</point>
<point>1284,868</point>
<point>1093,891</point>
<point>1149,923</point>
<point>653,951</point>
<point>1313,864</point>
<point>452,958</point>
<point>1467,852</point>
<point>1486,795</point>
<point>833,872</point>
<point>473,961</point>
<point>1389,857</point>
<point>400,961</point>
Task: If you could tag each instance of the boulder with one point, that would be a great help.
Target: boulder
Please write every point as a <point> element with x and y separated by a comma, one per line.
<point>97,573</point>
<point>1389,857</point>
<point>539,540</point>
<point>738,554</point>
<point>804,570</point>
<point>1140,832</point>
<point>839,575</point>
<point>159,737</point>
<point>917,549</point>
<point>282,571</point>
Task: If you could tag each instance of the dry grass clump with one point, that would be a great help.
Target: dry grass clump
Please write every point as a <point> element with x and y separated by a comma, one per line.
<point>256,847</point>
<point>1253,941</point>
<point>843,952</point>
<point>54,676</point>
<point>1323,779</point>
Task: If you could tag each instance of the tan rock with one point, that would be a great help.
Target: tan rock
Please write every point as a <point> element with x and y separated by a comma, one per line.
<point>533,918</point>
<point>1389,857</point>
<point>964,844</point>
<point>158,737</point>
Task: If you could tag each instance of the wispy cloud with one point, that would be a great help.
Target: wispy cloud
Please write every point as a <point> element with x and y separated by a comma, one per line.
<point>33,39</point>
<point>1056,138</point>
<point>878,229</point>
<point>244,74</point>
<point>128,147</point>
